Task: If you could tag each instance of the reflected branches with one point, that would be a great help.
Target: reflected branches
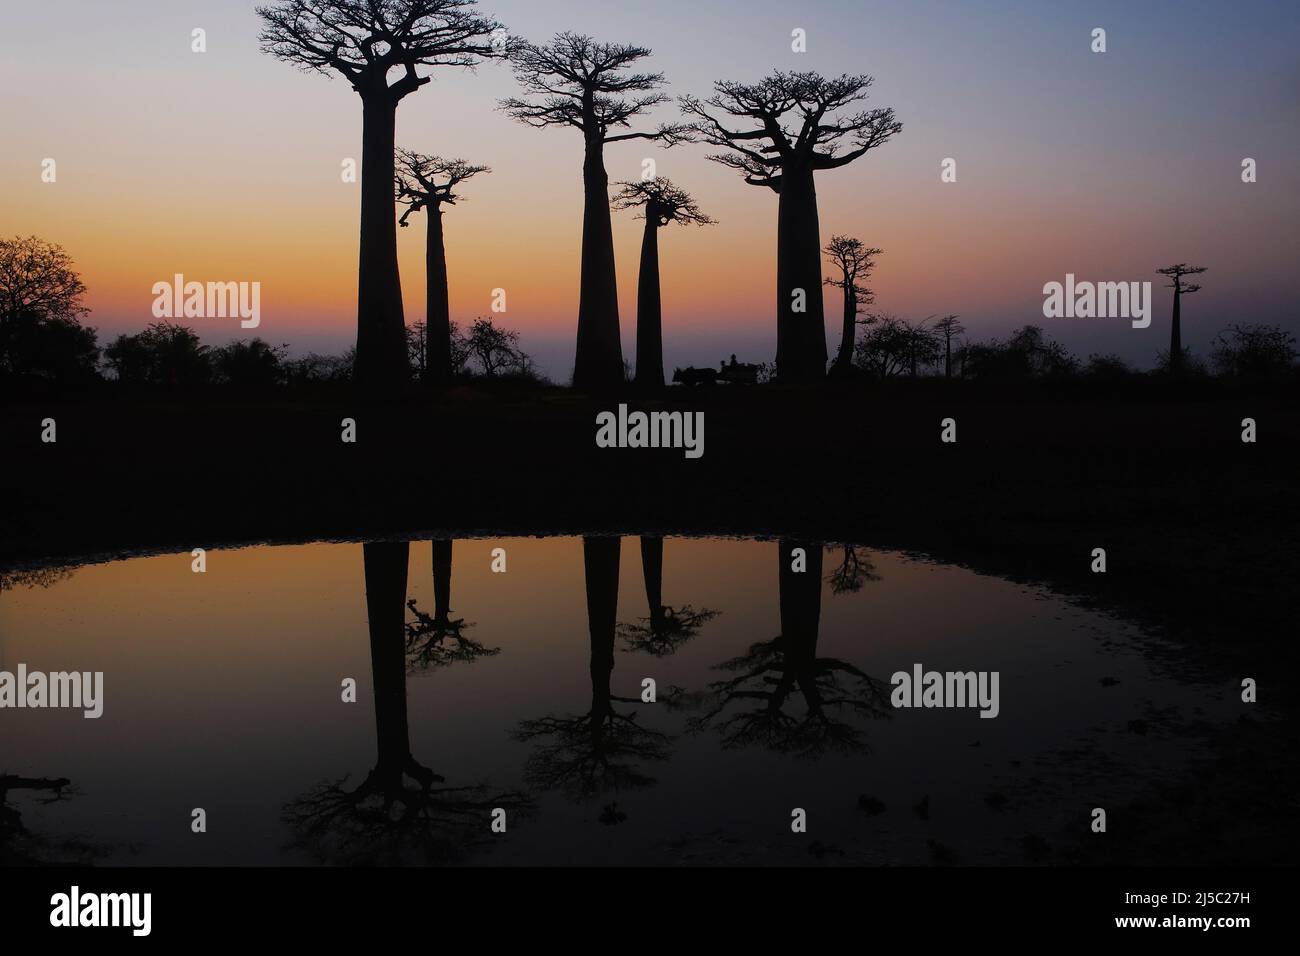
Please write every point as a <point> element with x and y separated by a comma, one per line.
<point>753,708</point>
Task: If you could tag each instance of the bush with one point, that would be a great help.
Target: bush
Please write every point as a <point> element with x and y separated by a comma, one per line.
<point>163,354</point>
<point>1254,352</point>
<point>51,349</point>
<point>255,362</point>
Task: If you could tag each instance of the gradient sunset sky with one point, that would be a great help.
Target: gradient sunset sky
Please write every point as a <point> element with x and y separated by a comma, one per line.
<point>226,166</point>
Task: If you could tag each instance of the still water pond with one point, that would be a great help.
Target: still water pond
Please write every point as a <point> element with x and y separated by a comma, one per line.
<point>525,690</point>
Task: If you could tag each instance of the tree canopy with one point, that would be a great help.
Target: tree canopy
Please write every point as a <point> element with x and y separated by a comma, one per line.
<point>430,180</point>
<point>788,118</point>
<point>366,40</point>
<point>578,81</point>
<point>663,199</point>
<point>37,279</point>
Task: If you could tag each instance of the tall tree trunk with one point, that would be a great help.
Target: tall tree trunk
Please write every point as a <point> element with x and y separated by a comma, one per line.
<point>801,607</point>
<point>1176,337</point>
<point>381,328</point>
<point>800,336</point>
<point>652,569</point>
<point>649,311</point>
<point>442,580</point>
<point>600,558</point>
<point>437,314</point>
<point>598,362</point>
<point>947,357</point>
<point>385,572</point>
<point>844,359</point>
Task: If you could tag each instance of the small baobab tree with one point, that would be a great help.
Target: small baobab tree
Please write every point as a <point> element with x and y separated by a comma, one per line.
<point>663,202</point>
<point>948,328</point>
<point>1176,274</point>
<point>789,129</point>
<point>429,183</point>
<point>854,260</point>
<point>378,46</point>
<point>577,81</point>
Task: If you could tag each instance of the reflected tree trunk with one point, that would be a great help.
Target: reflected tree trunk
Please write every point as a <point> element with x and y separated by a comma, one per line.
<point>601,560</point>
<point>385,571</point>
<point>652,567</point>
<point>801,608</point>
<point>442,580</point>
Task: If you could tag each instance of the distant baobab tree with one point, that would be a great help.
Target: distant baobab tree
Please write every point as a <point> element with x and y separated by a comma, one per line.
<point>1176,274</point>
<point>663,203</point>
<point>949,328</point>
<point>785,159</point>
<point>367,41</point>
<point>580,82</point>
<point>854,260</point>
<point>429,183</point>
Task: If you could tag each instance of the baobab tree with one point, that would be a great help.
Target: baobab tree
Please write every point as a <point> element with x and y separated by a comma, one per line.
<point>1176,274</point>
<point>429,183</point>
<point>588,754</point>
<point>854,260</point>
<point>666,628</point>
<point>437,640</point>
<point>400,812</point>
<point>787,133</point>
<point>579,82</point>
<point>367,42</point>
<point>949,328</point>
<point>752,708</point>
<point>663,202</point>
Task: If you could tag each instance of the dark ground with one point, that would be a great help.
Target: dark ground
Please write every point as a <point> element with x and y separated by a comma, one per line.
<point>1199,527</point>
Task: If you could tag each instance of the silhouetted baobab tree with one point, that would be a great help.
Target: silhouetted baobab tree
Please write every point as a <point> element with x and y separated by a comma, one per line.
<point>385,820</point>
<point>429,183</point>
<point>589,754</point>
<point>854,260</point>
<point>663,203</point>
<point>785,158</point>
<point>579,82</point>
<point>666,628</point>
<point>949,328</point>
<point>367,41</point>
<point>1176,274</point>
